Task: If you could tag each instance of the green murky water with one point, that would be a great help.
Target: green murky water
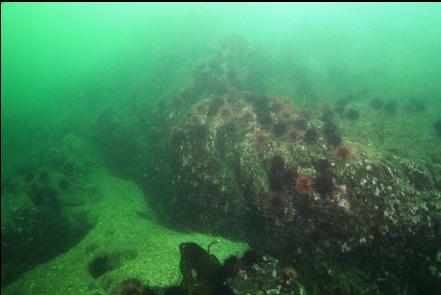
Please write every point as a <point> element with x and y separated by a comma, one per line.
<point>106,107</point>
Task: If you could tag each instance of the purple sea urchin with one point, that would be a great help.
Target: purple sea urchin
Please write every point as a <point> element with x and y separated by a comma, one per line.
<point>279,129</point>
<point>311,135</point>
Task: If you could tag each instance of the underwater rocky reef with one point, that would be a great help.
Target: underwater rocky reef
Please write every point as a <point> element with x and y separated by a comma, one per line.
<point>325,214</point>
<point>234,160</point>
<point>43,207</point>
<point>203,273</point>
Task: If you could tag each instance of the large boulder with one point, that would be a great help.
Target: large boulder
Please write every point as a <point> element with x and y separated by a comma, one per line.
<point>246,164</point>
<point>225,156</point>
<point>44,206</point>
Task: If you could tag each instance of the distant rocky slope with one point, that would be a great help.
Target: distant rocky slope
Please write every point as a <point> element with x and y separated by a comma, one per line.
<point>225,157</point>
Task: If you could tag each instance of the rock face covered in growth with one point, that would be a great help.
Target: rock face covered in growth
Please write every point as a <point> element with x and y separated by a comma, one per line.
<point>44,207</point>
<point>241,162</point>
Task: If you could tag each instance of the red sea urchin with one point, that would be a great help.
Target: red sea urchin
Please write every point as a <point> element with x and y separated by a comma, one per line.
<point>202,109</point>
<point>286,115</point>
<point>196,120</point>
<point>343,153</point>
<point>289,273</point>
<point>225,111</point>
<point>304,184</point>
<point>262,139</point>
<point>293,135</point>
<point>248,117</point>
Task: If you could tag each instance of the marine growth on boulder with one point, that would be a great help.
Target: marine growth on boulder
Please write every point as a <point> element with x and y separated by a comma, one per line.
<point>252,165</point>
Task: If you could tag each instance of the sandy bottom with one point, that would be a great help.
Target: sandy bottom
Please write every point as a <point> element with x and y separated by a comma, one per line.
<point>149,250</point>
